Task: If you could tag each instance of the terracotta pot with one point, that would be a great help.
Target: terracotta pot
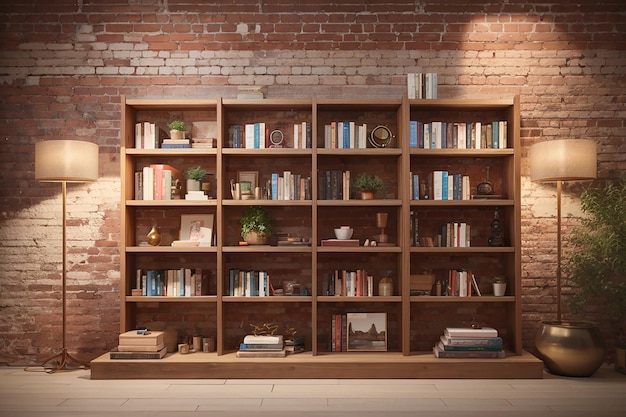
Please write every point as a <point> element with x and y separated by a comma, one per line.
<point>570,348</point>
<point>253,238</point>
<point>367,195</point>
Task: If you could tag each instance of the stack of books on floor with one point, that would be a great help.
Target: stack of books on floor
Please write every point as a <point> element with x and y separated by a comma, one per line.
<point>462,342</point>
<point>270,346</point>
<point>140,345</point>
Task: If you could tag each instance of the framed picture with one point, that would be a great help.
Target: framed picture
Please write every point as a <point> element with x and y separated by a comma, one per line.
<point>249,176</point>
<point>197,228</point>
<point>367,331</point>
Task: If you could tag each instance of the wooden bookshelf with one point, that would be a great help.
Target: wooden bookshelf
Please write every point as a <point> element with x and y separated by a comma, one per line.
<point>414,322</point>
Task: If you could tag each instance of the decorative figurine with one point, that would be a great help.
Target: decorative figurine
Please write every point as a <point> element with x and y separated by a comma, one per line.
<point>496,238</point>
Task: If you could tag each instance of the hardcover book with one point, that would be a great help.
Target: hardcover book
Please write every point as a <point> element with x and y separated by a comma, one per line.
<point>116,354</point>
<point>484,354</point>
<point>470,332</point>
<point>337,242</point>
<point>153,338</point>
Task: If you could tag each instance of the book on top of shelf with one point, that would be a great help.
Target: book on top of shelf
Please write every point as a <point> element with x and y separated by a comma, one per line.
<point>338,242</point>
<point>261,354</point>
<point>116,354</point>
<point>140,348</point>
<point>261,347</point>
<point>478,354</point>
<point>151,338</point>
<point>472,341</point>
<point>263,339</point>
<point>465,348</point>
<point>464,332</point>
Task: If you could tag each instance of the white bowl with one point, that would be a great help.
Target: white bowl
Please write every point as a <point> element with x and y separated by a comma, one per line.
<point>343,233</point>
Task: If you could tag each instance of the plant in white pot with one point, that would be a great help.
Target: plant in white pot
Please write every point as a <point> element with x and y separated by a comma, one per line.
<point>177,129</point>
<point>499,285</point>
<point>597,265</point>
<point>194,176</point>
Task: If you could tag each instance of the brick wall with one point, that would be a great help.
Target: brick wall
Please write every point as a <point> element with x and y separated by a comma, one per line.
<point>64,64</point>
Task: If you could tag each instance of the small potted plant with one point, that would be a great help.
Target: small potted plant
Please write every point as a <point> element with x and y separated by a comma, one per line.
<point>499,285</point>
<point>177,129</point>
<point>368,185</point>
<point>194,176</point>
<point>256,226</point>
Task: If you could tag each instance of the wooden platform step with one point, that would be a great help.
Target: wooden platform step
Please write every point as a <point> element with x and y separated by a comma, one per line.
<point>304,365</point>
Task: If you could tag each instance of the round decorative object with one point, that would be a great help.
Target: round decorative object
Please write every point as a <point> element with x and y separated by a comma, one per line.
<point>570,348</point>
<point>154,237</point>
<point>380,137</point>
<point>385,287</point>
<point>276,139</point>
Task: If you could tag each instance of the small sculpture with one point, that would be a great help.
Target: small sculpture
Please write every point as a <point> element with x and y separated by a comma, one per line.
<point>496,238</point>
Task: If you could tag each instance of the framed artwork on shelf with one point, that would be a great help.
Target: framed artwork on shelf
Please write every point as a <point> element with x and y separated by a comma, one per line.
<point>197,228</point>
<point>367,332</point>
<point>249,176</point>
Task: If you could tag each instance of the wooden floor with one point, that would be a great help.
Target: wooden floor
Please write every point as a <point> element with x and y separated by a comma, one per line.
<point>304,365</point>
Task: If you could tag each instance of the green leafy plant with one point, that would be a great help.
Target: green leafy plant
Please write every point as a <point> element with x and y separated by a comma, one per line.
<point>256,219</point>
<point>367,182</point>
<point>499,279</point>
<point>597,266</point>
<point>177,125</point>
<point>196,173</point>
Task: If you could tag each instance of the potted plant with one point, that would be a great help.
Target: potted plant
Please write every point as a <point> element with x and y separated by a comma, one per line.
<point>194,176</point>
<point>256,226</point>
<point>499,285</point>
<point>597,265</point>
<point>177,129</point>
<point>368,185</point>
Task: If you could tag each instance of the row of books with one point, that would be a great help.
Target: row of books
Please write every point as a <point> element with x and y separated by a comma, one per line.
<point>454,235</point>
<point>421,85</point>
<point>439,185</point>
<point>346,283</point>
<point>258,136</point>
<point>460,283</point>
<point>182,282</point>
<point>249,283</point>
<point>290,186</point>
<point>461,342</point>
<point>156,182</point>
<point>458,135</point>
<point>345,135</point>
<point>147,135</point>
<point>333,184</point>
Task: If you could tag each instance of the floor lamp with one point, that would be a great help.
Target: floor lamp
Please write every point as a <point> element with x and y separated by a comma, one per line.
<point>65,161</point>
<point>558,161</point>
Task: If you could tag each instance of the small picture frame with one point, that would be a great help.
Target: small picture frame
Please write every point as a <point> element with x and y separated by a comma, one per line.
<point>197,228</point>
<point>367,332</point>
<point>249,176</point>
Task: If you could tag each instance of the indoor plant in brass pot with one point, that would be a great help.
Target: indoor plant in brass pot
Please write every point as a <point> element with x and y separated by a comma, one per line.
<point>368,185</point>
<point>256,226</point>
<point>597,266</point>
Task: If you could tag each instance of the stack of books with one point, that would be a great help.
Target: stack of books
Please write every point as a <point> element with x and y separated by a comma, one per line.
<point>175,143</point>
<point>462,342</point>
<point>294,344</point>
<point>196,195</point>
<point>270,346</point>
<point>140,345</point>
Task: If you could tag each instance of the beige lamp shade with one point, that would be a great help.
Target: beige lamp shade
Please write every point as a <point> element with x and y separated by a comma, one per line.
<point>563,160</point>
<point>66,160</point>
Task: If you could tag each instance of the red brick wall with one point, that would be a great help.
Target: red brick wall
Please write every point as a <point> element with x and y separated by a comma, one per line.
<point>64,64</point>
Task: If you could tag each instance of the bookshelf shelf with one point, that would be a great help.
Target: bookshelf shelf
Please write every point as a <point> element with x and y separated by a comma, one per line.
<point>413,321</point>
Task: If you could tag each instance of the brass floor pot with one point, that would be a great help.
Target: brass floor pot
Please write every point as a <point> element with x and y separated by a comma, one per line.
<point>570,348</point>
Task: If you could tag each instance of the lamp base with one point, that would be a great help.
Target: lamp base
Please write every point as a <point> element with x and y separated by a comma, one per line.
<point>63,361</point>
